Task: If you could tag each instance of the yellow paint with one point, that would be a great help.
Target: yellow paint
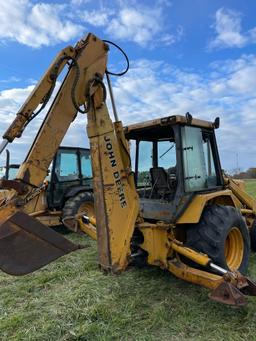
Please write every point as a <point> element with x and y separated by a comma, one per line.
<point>116,199</point>
<point>234,249</point>
<point>194,211</point>
<point>185,272</point>
<point>196,257</point>
<point>156,244</point>
<point>88,229</point>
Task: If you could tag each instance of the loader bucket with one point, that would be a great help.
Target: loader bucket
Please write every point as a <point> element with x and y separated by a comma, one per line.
<point>27,245</point>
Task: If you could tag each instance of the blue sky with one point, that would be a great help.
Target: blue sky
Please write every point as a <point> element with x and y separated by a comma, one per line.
<point>197,56</point>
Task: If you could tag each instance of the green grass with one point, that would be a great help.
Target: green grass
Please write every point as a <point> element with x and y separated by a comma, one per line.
<point>250,186</point>
<point>71,299</point>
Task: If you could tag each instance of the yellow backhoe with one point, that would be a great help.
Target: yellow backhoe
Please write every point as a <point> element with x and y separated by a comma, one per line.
<point>172,207</point>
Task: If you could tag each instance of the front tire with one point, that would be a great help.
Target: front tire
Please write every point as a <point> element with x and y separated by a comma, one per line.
<point>222,234</point>
<point>81,203</point>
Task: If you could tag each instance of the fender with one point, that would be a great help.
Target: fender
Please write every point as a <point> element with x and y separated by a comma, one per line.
<point>194,211</point>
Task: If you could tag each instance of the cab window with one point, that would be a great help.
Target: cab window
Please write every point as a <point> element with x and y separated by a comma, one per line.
<point>145,163</point>
<point>86,165</point>
<point>198,161</point>
<point>67,166</point>
<point>166,155</point>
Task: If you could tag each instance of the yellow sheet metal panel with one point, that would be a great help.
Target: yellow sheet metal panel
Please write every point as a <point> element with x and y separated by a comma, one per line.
<point>116,199</point>
<point>156,244</point>
<point>194,211</point>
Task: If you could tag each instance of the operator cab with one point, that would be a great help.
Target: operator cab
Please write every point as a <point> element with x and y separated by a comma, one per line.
<point>173,159</point>
<point>70,173</point>
<point>155,169</point>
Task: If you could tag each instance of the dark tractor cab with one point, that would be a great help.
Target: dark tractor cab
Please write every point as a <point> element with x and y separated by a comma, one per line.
<point>69,175</point>
<point>173,161</point>
<point>69,190</point>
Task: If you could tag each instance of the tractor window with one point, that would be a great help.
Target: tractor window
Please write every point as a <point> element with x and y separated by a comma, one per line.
<point>198,161</point>
<point>132,149</point>
<point>2,172</point>
<point>145,163</point>
<point>67,166</point>
<point>86,165</point>
<point>13,172</point>
<point>166,151</point>
<point>209,162</point>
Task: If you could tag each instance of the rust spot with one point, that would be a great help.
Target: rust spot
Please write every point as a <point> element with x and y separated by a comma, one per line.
<point>26,176</point>
<point>19,187</point>
<point>228,294</point>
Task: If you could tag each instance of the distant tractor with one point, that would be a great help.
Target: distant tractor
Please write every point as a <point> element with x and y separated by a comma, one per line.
<point>67,189</point>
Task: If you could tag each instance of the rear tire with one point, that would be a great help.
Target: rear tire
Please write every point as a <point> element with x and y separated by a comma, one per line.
<point>222,234</point>
<point>82,202</point>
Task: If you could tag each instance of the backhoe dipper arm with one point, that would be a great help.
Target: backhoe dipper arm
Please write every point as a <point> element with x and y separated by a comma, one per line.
<point>40,95</point>
<point>116,199</point>
<point>88,57</point>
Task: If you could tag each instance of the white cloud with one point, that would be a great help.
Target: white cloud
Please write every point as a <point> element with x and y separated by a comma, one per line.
<point>36,25</point>
<point>135,25</point>
<point>229,30</point>
<point>47,23</point>
<point>97,18</point>
<point>141,24</point>
<point>79,2</point>
<point>156,89</point>
<point>169,39</point>
<point>147,93</point>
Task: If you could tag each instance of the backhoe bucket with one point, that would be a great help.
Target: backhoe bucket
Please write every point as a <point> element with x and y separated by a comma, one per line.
<point>27,245</point>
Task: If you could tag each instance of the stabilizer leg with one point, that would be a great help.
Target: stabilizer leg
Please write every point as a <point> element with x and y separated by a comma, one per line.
<point>228,287</point>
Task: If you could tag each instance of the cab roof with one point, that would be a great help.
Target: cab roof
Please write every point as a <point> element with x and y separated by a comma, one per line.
<point>161,126</point>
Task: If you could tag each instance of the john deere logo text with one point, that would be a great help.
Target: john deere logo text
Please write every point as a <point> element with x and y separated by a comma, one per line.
<point>116,173</point>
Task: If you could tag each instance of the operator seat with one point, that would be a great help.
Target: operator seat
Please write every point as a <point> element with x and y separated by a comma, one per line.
<point>160,182</point>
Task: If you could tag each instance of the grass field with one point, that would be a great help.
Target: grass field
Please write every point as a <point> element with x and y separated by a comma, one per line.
<point>71,299</point>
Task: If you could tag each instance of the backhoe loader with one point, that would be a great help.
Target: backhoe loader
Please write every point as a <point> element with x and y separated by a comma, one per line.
<point>172,208</point>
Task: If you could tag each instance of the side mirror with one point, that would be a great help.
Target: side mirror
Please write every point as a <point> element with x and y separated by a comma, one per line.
<point>217,123</point>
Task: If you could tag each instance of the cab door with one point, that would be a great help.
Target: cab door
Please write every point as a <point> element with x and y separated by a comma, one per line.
<point>64,175</point>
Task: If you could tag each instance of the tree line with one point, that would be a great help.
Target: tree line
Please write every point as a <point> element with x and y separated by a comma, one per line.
<point>249,174</point>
